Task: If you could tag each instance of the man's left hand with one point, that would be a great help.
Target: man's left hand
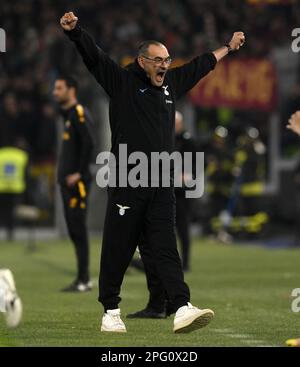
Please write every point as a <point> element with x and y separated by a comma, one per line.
<point>71,180</point>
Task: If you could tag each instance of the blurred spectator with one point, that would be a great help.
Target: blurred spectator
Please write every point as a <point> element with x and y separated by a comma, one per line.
<point>10,120</point>
<point>219,174</point>
<point>13,177</point>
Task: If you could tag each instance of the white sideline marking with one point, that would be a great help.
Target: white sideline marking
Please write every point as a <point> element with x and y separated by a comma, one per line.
<point>239,336</point>
<point>255,341</point>
<point>243,338</point>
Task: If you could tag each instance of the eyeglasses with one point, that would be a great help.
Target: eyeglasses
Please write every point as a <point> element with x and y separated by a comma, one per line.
<point>159,60</point>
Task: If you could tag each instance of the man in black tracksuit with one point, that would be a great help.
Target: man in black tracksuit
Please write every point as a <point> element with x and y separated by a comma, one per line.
<point>142,111</point>
<point>159,306</point>
<point>73,174</point>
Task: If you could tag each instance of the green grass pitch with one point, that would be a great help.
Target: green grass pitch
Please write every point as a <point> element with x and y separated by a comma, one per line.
<point>248,287</point>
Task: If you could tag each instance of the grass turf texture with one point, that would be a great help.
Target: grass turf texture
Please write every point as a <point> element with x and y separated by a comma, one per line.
<point>248,287</point>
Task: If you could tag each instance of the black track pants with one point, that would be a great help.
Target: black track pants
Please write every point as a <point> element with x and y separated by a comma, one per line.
<point>75,210</point>
<point>131,212</point>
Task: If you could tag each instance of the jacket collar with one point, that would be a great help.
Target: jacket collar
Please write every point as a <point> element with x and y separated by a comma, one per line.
<point>65,113</point>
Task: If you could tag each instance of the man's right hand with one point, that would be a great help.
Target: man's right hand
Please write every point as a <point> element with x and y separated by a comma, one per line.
<point>68,21</point>
<point>294,122</point>
<point>237,40</point>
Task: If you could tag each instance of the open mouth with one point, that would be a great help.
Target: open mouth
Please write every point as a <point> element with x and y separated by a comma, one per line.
<point>160,76</point>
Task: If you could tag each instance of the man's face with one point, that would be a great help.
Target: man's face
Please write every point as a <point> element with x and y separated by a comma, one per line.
<point>155,62</point>
<point>61,92</point>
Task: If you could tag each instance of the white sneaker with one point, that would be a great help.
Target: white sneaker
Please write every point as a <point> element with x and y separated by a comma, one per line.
<point>12,302</point>
<point>189,318</point>
<point>84,287</point>
<point>14,311</point>
<point>111,321</point>
<point>78,286</point>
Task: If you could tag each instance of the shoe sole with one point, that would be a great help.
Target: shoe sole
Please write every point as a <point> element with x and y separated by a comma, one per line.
<point>113,331</point>
<point>198,322</point>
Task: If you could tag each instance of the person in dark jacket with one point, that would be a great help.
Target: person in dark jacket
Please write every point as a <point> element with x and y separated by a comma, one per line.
<point>183,143</point>
<point>73,174</point>
<point>142,113</point>
<point>158,305</point>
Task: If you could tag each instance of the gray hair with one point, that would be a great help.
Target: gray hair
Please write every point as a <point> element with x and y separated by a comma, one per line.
<point>143,47</point>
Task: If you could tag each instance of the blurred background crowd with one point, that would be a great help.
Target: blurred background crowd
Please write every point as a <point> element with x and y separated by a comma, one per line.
<point>243,145</point>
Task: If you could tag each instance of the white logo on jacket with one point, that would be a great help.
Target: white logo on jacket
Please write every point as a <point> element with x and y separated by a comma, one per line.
<point>167,93</point>
<point>122,209</point>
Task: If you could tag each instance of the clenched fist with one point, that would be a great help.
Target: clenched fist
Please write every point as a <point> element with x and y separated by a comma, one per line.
<point>68,21</point>
<point>237,40</point>
<point>294,122</point>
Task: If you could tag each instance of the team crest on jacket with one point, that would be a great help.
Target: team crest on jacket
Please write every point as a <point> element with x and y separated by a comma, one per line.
<point>122,209</point>
<point>166,92</point>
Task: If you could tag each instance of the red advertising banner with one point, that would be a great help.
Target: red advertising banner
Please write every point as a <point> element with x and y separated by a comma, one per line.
<point>240,83</point>
<point>271,2</point>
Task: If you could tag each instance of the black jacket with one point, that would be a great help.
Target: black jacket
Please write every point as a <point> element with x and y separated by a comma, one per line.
<point>141,115</point>
<point>77,144</point>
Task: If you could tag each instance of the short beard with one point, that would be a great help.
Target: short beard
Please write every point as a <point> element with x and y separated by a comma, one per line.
<point>62,103</point>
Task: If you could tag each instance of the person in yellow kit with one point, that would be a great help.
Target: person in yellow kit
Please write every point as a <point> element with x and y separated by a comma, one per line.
<point>13,165</point>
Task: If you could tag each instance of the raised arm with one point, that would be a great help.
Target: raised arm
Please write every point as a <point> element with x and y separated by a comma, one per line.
<point>237,40</point>
<point>108,74</point>
<point>187,76</point>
